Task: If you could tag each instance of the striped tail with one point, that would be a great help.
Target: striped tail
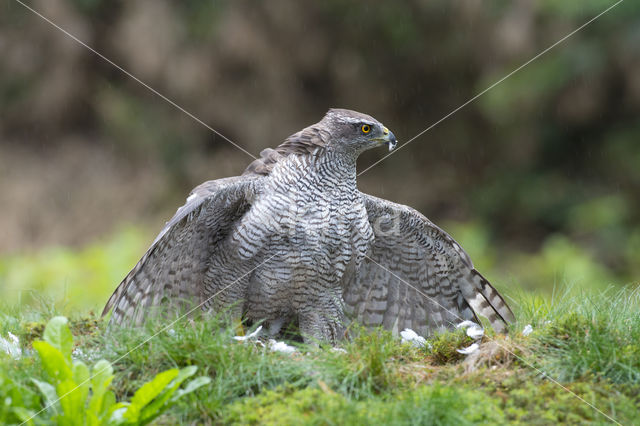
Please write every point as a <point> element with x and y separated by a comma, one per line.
<point>486,301</point>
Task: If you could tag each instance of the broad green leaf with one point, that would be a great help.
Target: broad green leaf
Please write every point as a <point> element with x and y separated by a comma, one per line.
<point>148,392</point>
<point>91,419</point>
<point>49,393</point>
<point>102,374</point>
<point>58,335</point>
<point>191,386</point>
<point>23,414</point>
<point>81,378</point>
<point>108,401</point>
<point>102,377</point>
<point>81,374</point>
<point>72,401</point>
<point>185,373</point>
<point>54,362</point>
<point>155,408</point>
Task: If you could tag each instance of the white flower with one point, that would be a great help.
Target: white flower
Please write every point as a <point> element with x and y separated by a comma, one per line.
<point>11,345</point>
<point>281,347</point>
<point>248,336</point>
<point>341,350</point>
<point>410,336</point>
<point>527,330</point>
<point>468,350</point>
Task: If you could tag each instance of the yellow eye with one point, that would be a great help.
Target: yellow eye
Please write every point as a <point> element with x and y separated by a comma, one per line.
<point>365,128</point>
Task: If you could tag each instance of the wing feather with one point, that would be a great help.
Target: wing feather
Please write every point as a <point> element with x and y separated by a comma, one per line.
<point>416,276</point>
<point>170,273</point>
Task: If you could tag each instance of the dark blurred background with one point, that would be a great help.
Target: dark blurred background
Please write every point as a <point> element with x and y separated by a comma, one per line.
<point>539,178</point>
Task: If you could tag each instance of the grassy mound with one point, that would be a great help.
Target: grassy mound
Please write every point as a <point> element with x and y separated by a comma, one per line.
<point>590,345</point>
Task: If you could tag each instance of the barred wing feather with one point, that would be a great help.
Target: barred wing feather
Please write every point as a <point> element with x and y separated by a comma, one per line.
<point>416,276</point>
<point>171,272</point>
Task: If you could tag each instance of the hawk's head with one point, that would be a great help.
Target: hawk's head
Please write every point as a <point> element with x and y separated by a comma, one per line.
<point>341,130</point>
<point>355,131</point>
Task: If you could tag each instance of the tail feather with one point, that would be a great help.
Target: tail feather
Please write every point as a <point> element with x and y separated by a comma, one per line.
<point>486,301</point>
<point>495,300</point>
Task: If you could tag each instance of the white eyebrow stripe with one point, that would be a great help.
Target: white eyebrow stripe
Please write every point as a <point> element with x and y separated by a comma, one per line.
<point>357,121</point>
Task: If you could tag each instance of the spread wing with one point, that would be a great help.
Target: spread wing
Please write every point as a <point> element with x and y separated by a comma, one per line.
<point>416,276</point>
<point>170,274</point>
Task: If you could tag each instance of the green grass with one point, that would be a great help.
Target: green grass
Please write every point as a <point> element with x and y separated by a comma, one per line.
<point>591,344</point>
<point>587,337</point>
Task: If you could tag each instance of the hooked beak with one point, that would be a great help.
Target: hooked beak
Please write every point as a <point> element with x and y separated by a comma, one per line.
<point>389,138</point>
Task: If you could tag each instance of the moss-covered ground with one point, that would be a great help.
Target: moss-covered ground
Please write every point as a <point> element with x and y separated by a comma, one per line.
<point>587,346</point>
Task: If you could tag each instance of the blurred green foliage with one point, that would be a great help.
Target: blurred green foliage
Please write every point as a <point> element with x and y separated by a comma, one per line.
<point>74,280</point>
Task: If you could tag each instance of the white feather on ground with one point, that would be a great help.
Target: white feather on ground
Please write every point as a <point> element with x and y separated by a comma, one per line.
<point>410,336</point>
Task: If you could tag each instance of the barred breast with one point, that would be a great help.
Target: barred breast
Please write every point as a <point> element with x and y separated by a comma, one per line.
<point>311,225</point>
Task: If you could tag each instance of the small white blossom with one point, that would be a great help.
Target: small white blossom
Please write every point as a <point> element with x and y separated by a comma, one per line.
<point>410,336</point>
<point>341,350</point>
<point>527,330</point>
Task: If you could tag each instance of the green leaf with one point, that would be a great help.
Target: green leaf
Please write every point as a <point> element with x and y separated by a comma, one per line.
<point>81,378</point>
<point>81,374</point>
<point>49,393</point>
<point>185,373</point>
<point>147,393</point>
<point>72,400</point>
<point>191,386</point>
<point>156,408</point>
<point>102,374</point>
<point>102,377</point>
<point>23,414</point>
<point>58,335</point>
<point>53,361</point>
<point>91,419</point>
<point>108,402</point>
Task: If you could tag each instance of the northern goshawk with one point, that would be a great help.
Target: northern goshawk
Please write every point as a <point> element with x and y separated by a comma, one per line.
<point>293,238</point>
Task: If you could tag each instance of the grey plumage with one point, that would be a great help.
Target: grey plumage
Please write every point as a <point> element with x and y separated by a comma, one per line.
<point>293,238</point>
